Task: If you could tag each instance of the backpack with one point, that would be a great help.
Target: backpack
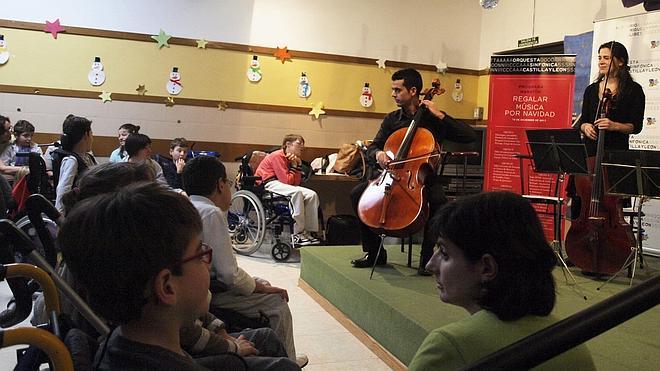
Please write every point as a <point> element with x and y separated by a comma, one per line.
<point>342,230</point>
<point>348,158</point>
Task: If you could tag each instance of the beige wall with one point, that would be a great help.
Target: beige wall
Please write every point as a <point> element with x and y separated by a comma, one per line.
<point>194,123</point>
<point>502,27</point>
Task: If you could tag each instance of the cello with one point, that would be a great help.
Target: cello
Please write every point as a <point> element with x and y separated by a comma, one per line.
<point>600,240</point>
<point>394,203</point>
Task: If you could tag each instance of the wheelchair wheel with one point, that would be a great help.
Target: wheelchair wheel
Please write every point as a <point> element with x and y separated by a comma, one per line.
<point>280,251</point>
<point>247,222</point>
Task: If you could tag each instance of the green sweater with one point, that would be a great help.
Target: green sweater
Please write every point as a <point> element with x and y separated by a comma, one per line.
<point>462,343</point>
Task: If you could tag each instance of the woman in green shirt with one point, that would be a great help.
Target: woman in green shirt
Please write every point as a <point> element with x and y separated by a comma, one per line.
<point>494,261</point>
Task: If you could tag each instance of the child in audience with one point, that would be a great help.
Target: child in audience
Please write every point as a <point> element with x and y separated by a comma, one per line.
<point>138,149</point>
<point>281,172</point>
<point>23,132</point>
<point>74,157</point>
<point>124,131</point>
<point>205,180</point>
<point>206,336</point>
<point>172,169</point>
<point>494,261</point>
<point>150,278</point>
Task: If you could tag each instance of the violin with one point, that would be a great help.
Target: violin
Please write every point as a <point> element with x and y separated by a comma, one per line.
<point>599,241</point>
<point>394,203</point>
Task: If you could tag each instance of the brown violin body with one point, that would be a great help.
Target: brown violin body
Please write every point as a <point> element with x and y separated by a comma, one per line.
<point>600,240</point>
<point>393,204</point>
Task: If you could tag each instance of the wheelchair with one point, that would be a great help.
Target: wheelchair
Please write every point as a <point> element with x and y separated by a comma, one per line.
<point>256,215</point>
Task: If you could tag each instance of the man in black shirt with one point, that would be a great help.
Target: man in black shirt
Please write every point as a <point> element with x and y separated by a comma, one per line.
<point>406,87</point>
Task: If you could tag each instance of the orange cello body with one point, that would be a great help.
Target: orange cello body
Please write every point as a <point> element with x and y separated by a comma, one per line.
<point>394,204</point>
<point>600,240</point>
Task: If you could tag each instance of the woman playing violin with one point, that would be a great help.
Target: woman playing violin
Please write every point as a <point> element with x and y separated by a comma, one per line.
<point>627,111</point>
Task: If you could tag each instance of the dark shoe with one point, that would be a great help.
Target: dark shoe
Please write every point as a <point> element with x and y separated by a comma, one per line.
<point>367,260</point>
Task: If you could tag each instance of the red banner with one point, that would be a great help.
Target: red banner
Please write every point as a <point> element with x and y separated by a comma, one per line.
<point>526,92</point>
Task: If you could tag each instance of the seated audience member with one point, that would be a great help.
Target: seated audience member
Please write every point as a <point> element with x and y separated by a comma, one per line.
<point>204,337</point>
<point>149,281</point>
<point>205,180</point>
<point>5,134</point>
<point>7,202</point>
<point>23,132</point>
<point>281,173</point>
<point>6,150</point>
<point>119,154</point>
<point>73,157</point>
<point>172,169</point>
<point>138,148</point>
<point>494,261</point>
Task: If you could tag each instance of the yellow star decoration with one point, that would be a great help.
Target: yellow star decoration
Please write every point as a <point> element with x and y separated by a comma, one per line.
<point>141,90</point>
<point>222,106</point>
<point>317,110</point>
<point>282,54</point>
<point>169,102</point>
<point>201,44</point>
<point>162,38</point>
<point>105,96</point>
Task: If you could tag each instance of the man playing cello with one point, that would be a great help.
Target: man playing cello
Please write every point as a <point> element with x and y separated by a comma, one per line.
<point>406,87</point>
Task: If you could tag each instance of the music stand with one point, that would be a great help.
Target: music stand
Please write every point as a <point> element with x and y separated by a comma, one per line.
<point>633,174</point>
<point>556,151</point>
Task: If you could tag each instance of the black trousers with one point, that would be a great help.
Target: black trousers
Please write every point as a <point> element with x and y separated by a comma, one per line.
<point>436,197</point>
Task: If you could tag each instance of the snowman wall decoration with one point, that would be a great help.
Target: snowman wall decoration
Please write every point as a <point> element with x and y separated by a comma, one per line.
<point>304,89</point>
<point>174,86</point>
<point>366,99</point>
<point>457,94</point>
<point>4,54</point>
<point>254,71</point>
<point>96,76</point>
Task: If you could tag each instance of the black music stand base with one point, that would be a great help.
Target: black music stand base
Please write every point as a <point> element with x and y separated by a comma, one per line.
<point>633,174</point>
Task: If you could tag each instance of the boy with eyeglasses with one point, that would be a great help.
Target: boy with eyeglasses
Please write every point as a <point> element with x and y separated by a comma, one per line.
<point>148,278</point>
<point>125,251</point>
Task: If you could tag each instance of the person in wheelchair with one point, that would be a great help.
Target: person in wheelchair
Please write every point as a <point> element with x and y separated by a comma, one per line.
<point>205,181</point>
<point>281,173</point>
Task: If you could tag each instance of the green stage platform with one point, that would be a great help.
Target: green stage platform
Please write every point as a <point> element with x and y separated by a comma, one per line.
<point>398,308</point>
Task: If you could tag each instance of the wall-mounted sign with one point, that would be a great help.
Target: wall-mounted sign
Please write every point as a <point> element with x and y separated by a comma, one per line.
<point>530,41</point>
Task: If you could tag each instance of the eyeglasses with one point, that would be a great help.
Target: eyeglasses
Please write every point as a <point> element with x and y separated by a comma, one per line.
<point>206,256</point>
